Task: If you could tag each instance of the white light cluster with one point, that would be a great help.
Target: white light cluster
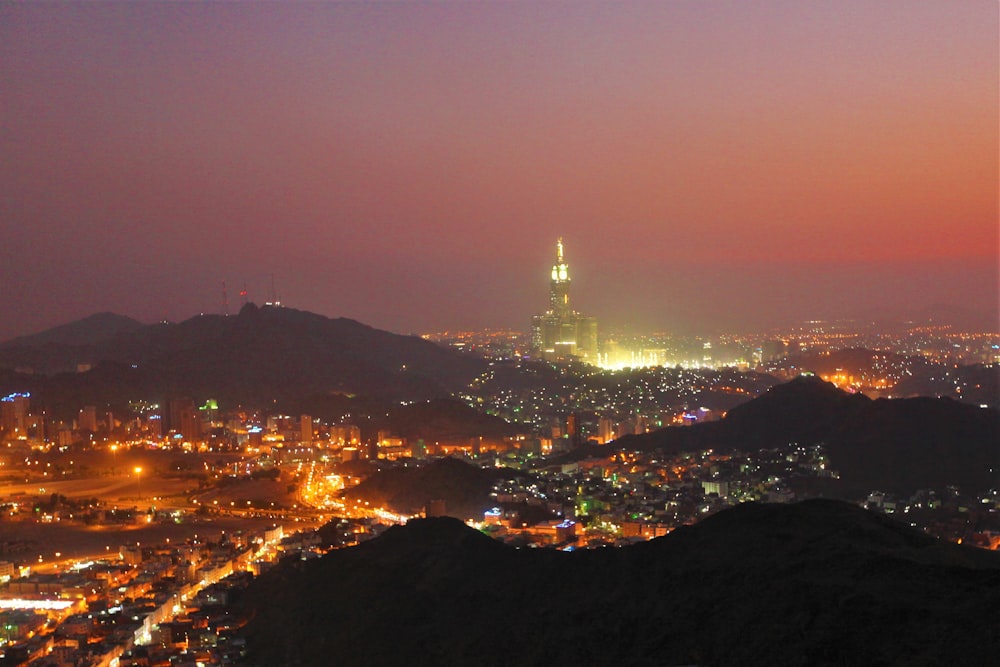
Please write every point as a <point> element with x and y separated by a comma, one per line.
<point>58,605</point>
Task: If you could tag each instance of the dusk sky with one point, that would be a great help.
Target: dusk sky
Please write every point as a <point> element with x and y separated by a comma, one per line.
<point>710,165</point>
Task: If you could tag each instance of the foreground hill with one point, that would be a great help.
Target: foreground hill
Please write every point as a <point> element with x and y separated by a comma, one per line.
<point>897,445</point>
<point>260,355</point>
<point>817,583</point>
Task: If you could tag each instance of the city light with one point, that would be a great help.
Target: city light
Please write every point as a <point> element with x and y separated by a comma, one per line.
<point>43,605</point>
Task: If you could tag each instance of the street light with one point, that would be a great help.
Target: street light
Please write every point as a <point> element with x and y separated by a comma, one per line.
<point>138,481</point>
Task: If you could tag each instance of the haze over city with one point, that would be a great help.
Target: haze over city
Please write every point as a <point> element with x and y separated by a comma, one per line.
<point>710,165</point>
<point>499,333</point>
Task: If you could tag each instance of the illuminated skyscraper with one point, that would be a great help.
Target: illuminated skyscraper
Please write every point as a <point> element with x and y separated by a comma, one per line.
<point>560,333</point>
<point>559,286</point>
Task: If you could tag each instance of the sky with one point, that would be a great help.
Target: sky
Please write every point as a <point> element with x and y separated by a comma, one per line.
<point>710,165</point>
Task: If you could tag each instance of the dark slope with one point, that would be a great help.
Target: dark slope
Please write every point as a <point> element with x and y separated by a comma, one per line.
<point>919,443</point>
<point>62,348</point>
<point>61,396</point>
<point>464,487</point>
<point>897,445</point>
<point>445,420</point>
<point>807,408</point>
<point>818,583</point>
<point>91,330</point>
<point>260,355</point>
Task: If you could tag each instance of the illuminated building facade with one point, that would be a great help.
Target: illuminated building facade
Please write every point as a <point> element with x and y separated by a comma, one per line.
<point>14,414</point>
<point>185,419</point>
<point>560,333</point>
<point>306,423</point>
<point>87,418</point>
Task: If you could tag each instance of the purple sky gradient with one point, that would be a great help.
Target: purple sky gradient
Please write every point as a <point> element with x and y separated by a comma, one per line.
<point>710,164</point>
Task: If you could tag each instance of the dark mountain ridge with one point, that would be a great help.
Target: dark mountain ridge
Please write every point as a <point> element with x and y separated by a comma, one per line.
<point>896,445</point>
<point>815,583</point>
<point>91,330</point>
<point>259,355</point>
<point>976,384</point>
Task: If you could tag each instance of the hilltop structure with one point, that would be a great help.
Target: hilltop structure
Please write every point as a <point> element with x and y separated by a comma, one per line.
<point>561,333</point>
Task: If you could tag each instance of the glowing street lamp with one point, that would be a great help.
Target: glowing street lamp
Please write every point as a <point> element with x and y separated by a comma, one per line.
<point>138,481</point>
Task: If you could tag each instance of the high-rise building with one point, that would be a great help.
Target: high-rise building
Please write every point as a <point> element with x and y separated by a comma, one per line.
<point>209,413</point>
<point>345,435</point>
<point>185,418</point>
<point>561,333</point>
<point>14,410</point>
<point>87,418</point>
<point>605,430</point>
<point>306,424</point>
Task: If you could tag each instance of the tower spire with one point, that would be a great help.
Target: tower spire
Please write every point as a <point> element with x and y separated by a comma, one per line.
<point>559,287</point>
<point>560,332</point>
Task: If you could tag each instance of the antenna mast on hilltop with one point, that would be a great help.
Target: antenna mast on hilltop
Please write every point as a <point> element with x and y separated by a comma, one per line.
<point>275,301</point>
<point>243,295</point>
<point>225,300</point>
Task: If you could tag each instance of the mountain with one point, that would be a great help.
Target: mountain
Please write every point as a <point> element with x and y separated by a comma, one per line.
<point>62,348</point>
<point>896,445</point>
<point>465,488</point>
<point>91,330</point>
<point>816,583</point>
<point>260,355</point>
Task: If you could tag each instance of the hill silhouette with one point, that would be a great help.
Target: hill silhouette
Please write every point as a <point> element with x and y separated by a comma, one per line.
<point>445,420</point>
<point>96,328</point>
<point>897,445</point>
<point>815,583</point>
<point>61,348</point>
<point>976,384</point>
<point>260,355</point>
<point>464,487</point>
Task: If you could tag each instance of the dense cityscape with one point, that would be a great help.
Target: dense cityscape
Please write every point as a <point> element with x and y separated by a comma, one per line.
<point>129,526</point>
<point>451,334</point>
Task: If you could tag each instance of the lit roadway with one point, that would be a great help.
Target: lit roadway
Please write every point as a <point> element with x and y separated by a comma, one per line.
<point>319,490</point>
